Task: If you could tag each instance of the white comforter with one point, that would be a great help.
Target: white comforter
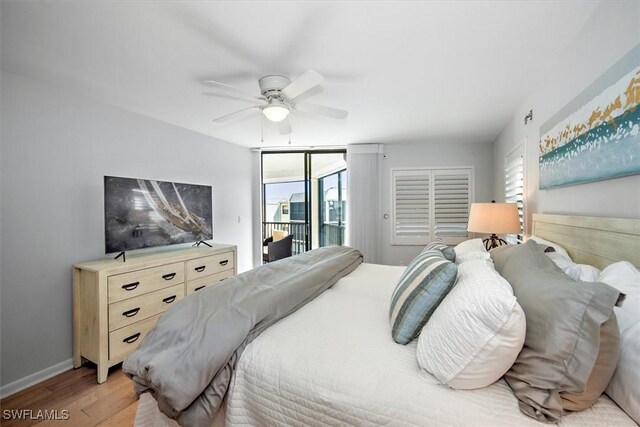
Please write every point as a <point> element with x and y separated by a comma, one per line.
<point>334,363</point>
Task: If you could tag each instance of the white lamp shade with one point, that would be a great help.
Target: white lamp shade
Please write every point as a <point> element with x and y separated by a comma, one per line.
<point>275,111</point>
<point>498,218</point>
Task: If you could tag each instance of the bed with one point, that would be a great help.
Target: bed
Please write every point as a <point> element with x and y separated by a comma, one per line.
<point>312,368</point>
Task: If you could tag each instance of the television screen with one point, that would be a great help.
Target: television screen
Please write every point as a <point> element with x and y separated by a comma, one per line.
<point>142,213</point>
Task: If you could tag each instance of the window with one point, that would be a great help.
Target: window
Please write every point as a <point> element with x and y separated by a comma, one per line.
<point>514,188</point>
<point>430,203</point>
<point>285,209</point>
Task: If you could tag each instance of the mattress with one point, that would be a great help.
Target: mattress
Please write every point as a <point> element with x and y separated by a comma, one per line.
<point>333,362</point>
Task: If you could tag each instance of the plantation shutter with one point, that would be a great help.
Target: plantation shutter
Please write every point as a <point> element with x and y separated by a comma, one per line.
<point>430,203</point>
<point>411,206</point>
<point>451,203</point>
<point>514,189</point>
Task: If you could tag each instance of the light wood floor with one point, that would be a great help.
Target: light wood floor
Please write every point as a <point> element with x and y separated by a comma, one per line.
<point>77,391</point>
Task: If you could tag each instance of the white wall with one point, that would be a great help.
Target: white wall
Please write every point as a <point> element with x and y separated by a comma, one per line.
<point>608,35</point>
<point>478,155</point>
<point>55,151</point>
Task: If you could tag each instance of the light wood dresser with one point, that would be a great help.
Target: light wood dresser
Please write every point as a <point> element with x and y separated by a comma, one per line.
<point>116,303</point>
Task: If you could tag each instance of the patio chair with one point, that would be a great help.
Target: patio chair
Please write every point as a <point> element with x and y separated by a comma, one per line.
<point>278,249</point>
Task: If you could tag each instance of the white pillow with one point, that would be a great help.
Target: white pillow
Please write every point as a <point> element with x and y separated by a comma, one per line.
<point>559,249</point>
<point>474,256</point>
<point>624,387</point>
<point>476,333</point>
<point>578,272</point>
<point>583,273</point>
<point>469,246</point>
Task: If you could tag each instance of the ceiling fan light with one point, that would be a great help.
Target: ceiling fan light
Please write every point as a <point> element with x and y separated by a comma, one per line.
<point>276,111</point>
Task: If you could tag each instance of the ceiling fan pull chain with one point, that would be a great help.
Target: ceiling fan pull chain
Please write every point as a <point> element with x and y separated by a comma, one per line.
<point>289,138</point>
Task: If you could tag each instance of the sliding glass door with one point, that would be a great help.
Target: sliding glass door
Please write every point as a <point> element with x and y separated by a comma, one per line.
<point>304,194</point>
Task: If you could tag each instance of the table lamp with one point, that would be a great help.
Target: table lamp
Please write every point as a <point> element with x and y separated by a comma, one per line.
<point>494,218</point>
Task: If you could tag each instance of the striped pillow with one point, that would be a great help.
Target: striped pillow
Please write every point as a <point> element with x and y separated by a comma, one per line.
<point>449,253</point>
<point>422,287</point>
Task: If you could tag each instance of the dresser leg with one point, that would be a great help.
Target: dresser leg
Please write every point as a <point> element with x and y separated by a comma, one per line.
<point>103,371</point>
<point>77,360</point>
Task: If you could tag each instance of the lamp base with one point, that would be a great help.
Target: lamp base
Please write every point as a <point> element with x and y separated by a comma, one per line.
<point>493,241</point>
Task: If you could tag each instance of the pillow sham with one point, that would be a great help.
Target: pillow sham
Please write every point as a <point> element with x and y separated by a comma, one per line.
<point>438,244</point>
<point>475,335</point>
<point>624,387</point>
<point>421,288</point>
<point>469,246</point>
<point>559,249</point>
<point>602,370</point>
<point>562,342</point>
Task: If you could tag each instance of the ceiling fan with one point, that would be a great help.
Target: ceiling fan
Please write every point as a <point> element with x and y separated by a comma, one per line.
<point>280,96</point>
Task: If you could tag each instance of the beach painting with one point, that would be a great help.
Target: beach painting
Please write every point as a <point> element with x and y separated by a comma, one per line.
<point>596,136</point>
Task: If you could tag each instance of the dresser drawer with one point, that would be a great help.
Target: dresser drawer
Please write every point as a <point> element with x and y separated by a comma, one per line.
<point>127,339</point>
<point>196,285</point>
<point>128,285</point>
<point>128,311</point>
<point>206,266</point>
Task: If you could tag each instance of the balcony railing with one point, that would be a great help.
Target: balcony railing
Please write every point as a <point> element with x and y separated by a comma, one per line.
<point>332,234</point>
<point>298,229</point>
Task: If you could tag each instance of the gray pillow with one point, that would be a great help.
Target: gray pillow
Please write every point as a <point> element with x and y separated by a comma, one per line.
<point>563,329</point>
<point>421,288</point>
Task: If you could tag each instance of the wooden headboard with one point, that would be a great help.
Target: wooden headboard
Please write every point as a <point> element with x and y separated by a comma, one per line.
<point>598,241</point>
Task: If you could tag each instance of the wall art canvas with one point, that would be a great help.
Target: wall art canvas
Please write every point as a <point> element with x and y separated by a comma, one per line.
<point>142,213</point>
<point>597,135</point>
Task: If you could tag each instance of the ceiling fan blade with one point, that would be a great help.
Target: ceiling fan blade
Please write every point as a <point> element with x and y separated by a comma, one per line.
<point>323,110</point>
<point>308,80</point>
<point>234,89</point>
<point>284,127</point>
<point>230,96</point>
<point>230,115</point>
<point>308,94</point>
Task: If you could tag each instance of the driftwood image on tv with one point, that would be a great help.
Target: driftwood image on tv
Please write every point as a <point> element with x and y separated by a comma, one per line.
<point>142,213</point>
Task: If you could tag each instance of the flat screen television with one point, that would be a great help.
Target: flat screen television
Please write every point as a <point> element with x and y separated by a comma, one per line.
<point>144,213</point>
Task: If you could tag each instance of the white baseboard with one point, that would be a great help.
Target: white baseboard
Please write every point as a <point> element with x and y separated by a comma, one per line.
<point>35,378</point>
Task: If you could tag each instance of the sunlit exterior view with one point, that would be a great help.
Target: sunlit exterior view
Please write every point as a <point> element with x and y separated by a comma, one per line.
<point>309,203</point>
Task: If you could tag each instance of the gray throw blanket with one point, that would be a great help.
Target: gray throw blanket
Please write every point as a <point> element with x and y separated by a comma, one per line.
<point>187,360</point>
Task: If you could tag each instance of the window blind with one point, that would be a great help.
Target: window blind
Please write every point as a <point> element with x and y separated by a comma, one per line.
<point>430,203</point>
<point>412,207</point>
<point>451,203</point>
<point>514,189</point>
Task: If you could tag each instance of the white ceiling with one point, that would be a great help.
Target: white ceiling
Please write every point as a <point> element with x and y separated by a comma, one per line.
<point>406,71</point>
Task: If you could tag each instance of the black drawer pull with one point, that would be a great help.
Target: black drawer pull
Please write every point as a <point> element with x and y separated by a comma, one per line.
<point>133,338</point>
<point>198,288</point>
<point>169,276</point>
<point>132,312</point>
<point>225,262</point>
<point>170,299</point>
<point>200,269</point>
<point>130,286</point>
